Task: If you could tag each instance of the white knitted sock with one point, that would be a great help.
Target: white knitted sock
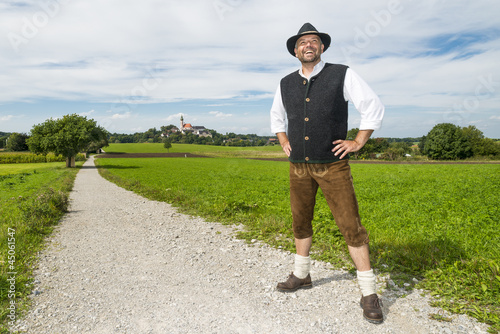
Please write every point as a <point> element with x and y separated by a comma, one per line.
<point>302,266</point>
<point>367,282</point>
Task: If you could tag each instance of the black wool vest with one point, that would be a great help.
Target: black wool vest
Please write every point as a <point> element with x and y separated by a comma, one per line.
<point>317,113</point>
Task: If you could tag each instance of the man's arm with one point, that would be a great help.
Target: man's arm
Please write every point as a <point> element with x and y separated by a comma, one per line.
<point>369,106</point>
<point>278,125</point>
<point>348,146</point>
<point>285,144</point>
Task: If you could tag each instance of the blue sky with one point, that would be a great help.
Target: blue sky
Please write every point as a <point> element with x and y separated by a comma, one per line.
<point>134,65</point>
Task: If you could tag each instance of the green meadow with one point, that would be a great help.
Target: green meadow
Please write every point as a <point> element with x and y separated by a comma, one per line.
<point>207,150</point>
<point>437,223</point>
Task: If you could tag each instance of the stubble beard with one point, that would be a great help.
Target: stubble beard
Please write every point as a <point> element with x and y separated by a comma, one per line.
<point>313,59</point>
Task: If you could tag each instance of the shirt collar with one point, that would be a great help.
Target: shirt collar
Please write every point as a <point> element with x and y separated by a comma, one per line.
<point>319,66</point>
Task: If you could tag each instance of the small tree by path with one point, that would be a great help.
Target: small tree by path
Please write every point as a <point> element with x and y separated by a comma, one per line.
<point>67,136</point>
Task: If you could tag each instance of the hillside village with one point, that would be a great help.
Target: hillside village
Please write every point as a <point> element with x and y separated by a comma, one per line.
<point>186,128</point>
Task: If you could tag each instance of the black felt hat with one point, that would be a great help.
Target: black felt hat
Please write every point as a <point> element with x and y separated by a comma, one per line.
<point>307,29</point>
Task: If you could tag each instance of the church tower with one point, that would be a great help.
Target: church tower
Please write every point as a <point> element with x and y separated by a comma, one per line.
<point>182,123</point>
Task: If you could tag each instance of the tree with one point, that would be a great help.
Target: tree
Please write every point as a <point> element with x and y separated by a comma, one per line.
<point>67,136</point>
<point>167,144</point>
<point>17,142</point>
<point>421,145</point>
<point>447,141</point>
<point>481,146</point>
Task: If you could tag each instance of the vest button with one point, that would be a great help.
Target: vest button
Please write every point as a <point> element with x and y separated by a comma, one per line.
<point>305,81</point>
<point>307,158</point>
<point>306,119</point>
<point>306,138</point>
<point>308,99</point>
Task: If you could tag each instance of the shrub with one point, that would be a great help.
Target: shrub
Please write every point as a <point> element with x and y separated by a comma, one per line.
<point>39,211</point>
<point>24,157</point>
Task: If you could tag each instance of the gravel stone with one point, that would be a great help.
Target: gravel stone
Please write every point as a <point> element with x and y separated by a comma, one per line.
<point>119,263</point>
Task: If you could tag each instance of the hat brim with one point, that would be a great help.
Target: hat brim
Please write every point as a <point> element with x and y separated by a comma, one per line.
<point>325,38</point>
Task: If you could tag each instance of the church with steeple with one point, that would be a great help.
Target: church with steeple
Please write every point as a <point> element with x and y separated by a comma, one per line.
<point>186,128</point>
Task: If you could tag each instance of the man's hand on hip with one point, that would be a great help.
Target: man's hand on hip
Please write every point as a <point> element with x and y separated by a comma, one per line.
<point>344,147</point>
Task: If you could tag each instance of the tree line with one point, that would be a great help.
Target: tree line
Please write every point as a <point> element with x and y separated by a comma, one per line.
<point>72,134</point>
<point>445,141</point>
<point>165,133</point>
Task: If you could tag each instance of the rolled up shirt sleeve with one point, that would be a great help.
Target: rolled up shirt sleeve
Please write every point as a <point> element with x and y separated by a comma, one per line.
<point>364,100</point>
<point>278,113</point>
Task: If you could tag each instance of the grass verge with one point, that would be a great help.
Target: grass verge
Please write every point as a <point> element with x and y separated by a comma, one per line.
<point>33,198</point>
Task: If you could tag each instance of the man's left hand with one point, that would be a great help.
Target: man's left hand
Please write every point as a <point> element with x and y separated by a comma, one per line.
<point>345,146</point>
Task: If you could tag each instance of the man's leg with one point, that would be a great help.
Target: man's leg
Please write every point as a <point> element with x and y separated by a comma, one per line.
<point>303,246</point>
<point>361,257</point>
<point>303,189</point>
<point>302,265</point>
<point>367,284</point>
<point>366,278</point>
<point>302,200</point>
<point>339,192</point>
<point>300,277</point>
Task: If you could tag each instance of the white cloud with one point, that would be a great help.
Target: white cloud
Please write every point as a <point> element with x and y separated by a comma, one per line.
<point>219,114</point>
<point>6,118</point>
<point>88,113</point>
<point>122,116</point>
<point>175,117</point>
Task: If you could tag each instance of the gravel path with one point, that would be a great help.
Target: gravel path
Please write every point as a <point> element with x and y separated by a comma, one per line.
<point>119,263</point>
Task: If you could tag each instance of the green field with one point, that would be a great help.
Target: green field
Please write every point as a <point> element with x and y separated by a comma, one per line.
<point>437,223</point>
<point>207,150</point>
<point>33,197</point>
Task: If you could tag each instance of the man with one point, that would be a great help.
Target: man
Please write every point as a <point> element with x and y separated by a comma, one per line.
<point>314,102</point>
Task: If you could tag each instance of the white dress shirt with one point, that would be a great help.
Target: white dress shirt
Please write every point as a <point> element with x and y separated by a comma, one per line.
<point>356,90</point>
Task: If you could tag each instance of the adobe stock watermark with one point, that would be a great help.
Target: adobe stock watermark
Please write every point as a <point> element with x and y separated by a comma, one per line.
<point>11,275</point>
<point>224,6</point>
<point>365,35</point>
<point>31,26</point>
<point>484,90</point>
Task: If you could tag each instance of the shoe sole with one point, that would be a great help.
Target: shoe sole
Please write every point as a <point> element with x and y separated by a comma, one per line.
<point>309,286</point>
<point>373,321</point>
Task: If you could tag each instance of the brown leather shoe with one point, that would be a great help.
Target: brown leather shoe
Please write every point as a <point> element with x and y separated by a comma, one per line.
<point>293,283</point>
<point>372,310</point>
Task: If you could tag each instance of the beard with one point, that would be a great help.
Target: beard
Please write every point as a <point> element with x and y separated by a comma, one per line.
<point>309,58</point>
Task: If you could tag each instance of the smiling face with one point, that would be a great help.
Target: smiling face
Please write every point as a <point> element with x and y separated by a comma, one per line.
<point>309,49</point>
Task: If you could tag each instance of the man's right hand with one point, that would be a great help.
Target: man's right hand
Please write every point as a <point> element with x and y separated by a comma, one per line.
<point>285,144</point>
<point>286,148</point>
